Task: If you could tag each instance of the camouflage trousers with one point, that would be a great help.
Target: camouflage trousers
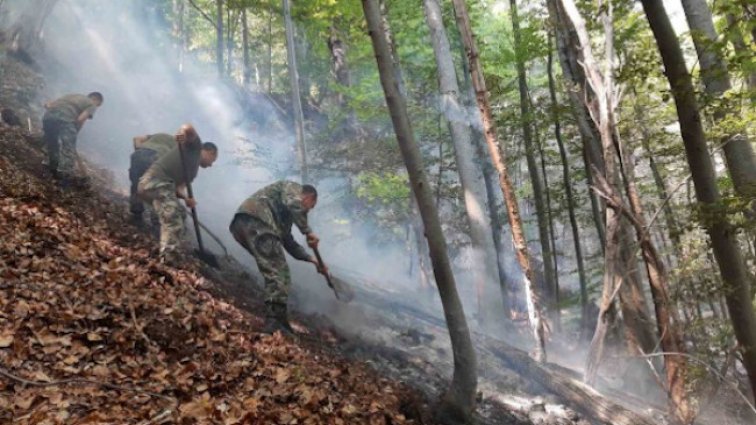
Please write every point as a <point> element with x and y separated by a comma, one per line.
<point>141,160</point>
<point>60,137</point>
<point>265,245</point>
<point>170,214</point>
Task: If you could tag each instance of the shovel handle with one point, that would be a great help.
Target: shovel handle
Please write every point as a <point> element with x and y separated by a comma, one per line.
<point>191,195</point>
<point>327,275</point>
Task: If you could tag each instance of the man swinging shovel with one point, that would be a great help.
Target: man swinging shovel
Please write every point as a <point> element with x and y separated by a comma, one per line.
<point>168,179</point>
<point>262,225</point>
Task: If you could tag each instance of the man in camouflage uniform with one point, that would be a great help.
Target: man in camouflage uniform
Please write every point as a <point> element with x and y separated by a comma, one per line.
<point>262,225</point>
<point>61,123</point>
<point>165,182</point>
<point>147,149</point>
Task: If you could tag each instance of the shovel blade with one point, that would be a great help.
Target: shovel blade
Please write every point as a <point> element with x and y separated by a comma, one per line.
<point>343,290</point>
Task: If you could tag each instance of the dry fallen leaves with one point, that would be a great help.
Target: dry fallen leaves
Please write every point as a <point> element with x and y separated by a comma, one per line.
<point>80,297</point>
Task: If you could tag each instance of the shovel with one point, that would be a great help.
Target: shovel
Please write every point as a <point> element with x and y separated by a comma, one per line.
<point>342,291</point>
<point>206,257</point>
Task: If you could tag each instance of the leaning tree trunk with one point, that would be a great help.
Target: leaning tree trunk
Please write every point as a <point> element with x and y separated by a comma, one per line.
<point>535,176</point>
<point>296,100</point>
<point>459,398</point>
<point>484,252</point>
<point>24,26</point>
<point>568,194</point>
<point>723,239</point>
<point>741,162</point>
<point>510,197</point>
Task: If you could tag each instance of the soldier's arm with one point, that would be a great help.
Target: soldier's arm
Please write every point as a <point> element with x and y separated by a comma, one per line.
<point>296,250</point>
<point>83,117</point>
<point>293,202</point>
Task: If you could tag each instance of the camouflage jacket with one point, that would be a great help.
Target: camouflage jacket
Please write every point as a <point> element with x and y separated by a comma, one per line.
<point>279,206</point>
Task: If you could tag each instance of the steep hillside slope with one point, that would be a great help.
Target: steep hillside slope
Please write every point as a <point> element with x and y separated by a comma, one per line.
<point>94,330</point>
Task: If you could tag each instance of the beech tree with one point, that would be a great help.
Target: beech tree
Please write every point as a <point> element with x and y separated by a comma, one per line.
<point>459,399</point>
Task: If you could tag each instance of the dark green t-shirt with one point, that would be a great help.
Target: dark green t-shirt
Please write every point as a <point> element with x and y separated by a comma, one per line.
<point>161,143</point>
<point>168,168</point>
<point>69,107</point>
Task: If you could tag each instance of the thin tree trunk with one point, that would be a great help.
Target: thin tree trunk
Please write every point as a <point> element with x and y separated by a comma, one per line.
<point>270,46</point>
<point>510,197</point>
<point>296,100</point>
<point>549,288</point>
<point>179,36</point>
<point>459,399</point>
<point>667,323</point>
<point>247,72</point>
<point>484,252</point>
<point>550,221</point>
<point>595,202</point>
<point>219,37</point>
<point>741,161</point>
<point>230,29</point>
<point>489,176</point>
<point>724,240</point>
<point>568,193</point>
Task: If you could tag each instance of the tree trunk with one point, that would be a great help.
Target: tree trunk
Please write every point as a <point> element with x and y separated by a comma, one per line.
<point>667,321</point>
<point>247,71</point>
<point>270,47</point>
<point>568,193</point>
<point>25,24</point>
<point>510,197</point>
<point>489,177</point>
<point>723,238</point>
<point>296,100</point>
<point>230,29</point>
<point>549,288</point>
<point>179,36</point>
<point>459,399</point>
<point>741,162</point>
<point>219,37</point>
<point>484,252</point>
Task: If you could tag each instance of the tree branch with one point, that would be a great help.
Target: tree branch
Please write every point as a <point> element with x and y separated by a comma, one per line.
<point>204,15</point>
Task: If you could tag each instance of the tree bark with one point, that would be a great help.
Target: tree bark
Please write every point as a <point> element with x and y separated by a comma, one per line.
<point>484,252</point>
<point>296,100</point>
<point>510,198</point>
<point>568,193</point>
<point>741,161</point>
<point>459,398</point>
<point>219,37</point>
<point>724,240</point>
<point>533,171</point>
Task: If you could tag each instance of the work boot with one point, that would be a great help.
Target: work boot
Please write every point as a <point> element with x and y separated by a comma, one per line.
<point>276,320</point>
